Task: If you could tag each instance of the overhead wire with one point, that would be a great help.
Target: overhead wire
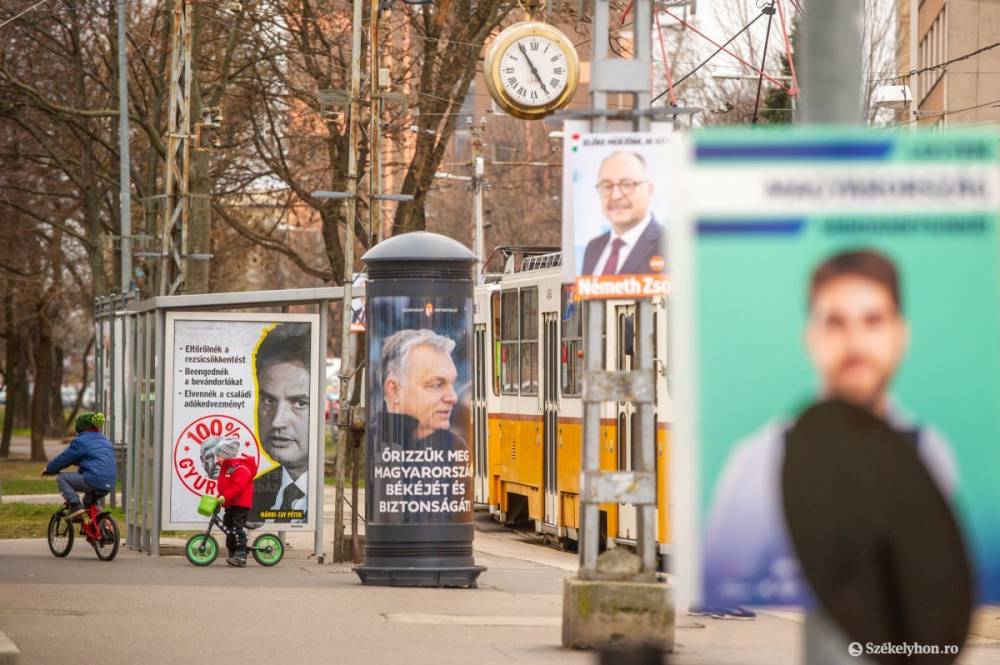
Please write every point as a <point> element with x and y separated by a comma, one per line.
<point>65,10</point>
<point>23,12</point>
<point>925,115</point>
<point>718,50</point>
<point>940,65</point>
<point>788,51</point>
<point>763,62</point>
<point>668,74</point>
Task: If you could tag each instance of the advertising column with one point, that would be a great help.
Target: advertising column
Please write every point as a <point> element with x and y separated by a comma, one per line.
<point>419,492</point>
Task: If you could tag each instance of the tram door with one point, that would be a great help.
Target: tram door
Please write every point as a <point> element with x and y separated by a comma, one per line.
<point>550,414</point>
<point>625,411</point>
<point>480,424</point>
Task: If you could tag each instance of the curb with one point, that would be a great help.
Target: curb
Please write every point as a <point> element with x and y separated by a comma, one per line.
<point>9,653</point>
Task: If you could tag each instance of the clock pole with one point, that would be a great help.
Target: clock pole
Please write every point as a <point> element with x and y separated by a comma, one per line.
<point>478,184</point>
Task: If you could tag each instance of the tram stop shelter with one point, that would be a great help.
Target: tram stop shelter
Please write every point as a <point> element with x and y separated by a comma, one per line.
<point>177,374</point>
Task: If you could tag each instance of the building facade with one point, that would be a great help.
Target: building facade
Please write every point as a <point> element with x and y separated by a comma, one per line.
<point>966,92</point>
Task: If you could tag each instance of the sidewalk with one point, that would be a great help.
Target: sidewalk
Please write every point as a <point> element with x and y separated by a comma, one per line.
<point>163,610</point>
<point>20,447</point>
<point>31,498</point>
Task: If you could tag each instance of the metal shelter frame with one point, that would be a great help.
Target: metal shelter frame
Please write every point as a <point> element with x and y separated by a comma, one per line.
<point>109,371</point>
<point>132,385</point>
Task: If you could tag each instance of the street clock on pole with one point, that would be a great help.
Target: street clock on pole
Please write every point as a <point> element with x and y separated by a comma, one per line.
<point>532,69</point>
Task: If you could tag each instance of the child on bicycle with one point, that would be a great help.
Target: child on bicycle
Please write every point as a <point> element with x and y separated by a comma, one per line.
<point>91,451</point>
<point>236,475</point>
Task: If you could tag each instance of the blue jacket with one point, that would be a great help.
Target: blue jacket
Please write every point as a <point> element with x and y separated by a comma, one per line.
<point>92,452</point>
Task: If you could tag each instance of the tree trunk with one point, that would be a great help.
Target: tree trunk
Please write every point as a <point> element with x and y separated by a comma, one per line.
<point>14,366</point>
<point>40,394</point>
<point>54,421</point>
<point>20,392</point>
<point>71,418</point>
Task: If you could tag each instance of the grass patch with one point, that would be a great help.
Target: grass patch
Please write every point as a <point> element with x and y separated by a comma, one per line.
<point>347,483</point>
<point>29,520</point>
<point>23,477</point>
<point>16,431</point>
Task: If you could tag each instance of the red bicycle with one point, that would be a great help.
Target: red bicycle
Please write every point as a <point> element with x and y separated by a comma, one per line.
<point>98,527</point>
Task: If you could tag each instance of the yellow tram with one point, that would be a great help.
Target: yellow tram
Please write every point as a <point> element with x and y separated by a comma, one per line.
<point>527,411</point>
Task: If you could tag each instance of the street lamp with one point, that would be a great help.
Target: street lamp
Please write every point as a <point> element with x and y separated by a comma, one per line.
<point>896,98</point>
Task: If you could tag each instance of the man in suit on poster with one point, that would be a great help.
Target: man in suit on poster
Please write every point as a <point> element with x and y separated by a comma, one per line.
<point>632,246</point>
<point>282,364</point>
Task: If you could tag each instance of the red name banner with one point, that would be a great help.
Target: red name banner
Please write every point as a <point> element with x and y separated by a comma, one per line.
<point>596,287</point>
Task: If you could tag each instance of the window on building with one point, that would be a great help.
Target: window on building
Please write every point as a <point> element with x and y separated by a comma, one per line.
<point>932,51</point>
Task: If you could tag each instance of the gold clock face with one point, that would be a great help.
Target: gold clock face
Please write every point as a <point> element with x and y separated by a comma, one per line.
<point>532,70</point>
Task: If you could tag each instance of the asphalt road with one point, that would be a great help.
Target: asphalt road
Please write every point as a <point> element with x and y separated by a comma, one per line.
<point>139,609</point>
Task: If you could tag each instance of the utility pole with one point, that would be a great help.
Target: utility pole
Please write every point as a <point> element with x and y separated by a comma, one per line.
<point>378,96</point>
<point>125,195</point>
<point>831,94</point>
<point>587,618</point>
<point>352,99</point>
<point>914,79</point>
<point>346,362</point>
<point>374,124</point>
<point>478,185</point>
<point>831,62</point>
<point>176,204</point>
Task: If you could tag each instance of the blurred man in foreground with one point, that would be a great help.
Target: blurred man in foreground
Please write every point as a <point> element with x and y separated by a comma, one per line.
<point>856,337</point>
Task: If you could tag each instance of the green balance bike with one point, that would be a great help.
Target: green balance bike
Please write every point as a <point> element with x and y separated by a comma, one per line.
<point>202,548</point>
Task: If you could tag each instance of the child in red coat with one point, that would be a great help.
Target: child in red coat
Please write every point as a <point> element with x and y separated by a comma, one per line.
<point>236,493</point>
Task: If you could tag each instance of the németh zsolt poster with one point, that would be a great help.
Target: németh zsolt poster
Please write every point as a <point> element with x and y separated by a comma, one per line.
<point>250,378</point>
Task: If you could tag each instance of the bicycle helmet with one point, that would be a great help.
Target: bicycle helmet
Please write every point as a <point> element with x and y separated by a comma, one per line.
<point>89,421</point>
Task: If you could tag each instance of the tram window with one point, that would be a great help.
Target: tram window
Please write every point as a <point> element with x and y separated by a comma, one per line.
<point>628,335</point>
<point>495,340</point>
<point>666,354</point>
<point>529,341</point>
<point>509,356</point>
<point>571,351</point>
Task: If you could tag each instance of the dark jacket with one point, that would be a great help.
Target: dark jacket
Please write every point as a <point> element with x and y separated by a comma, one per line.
<point>92,452</point>
<point>265,490</point>
<point>236,481</point>
<point>638,259</point>
<point>398,430</point>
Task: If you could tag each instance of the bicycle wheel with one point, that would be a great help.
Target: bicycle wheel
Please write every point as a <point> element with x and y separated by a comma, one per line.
<point>267,549</point>
<point>201,549</point>
<point>106,546</point>
<point>60,534</point>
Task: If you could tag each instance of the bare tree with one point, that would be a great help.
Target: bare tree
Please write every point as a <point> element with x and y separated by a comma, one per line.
<point>878,50</point>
